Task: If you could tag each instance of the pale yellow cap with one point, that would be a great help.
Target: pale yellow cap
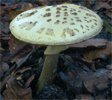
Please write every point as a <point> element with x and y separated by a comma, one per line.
<point>56,25</point>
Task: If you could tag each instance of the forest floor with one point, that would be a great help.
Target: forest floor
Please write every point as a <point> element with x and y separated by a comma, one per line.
<point>84,70</point>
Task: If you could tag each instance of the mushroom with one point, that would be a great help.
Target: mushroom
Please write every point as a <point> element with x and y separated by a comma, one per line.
<point>57,27</point>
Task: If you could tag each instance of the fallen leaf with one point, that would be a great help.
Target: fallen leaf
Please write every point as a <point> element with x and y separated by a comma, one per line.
<point>3,81</point>
<point>98,53</point>
<point>72,81</point>
<point>3,68</point>
<point>29,81</point>
<point>14,44</point>
<point>26,6</point>
<point>22,70</point>
<point>1,10</point>
<point>100,4</point>
<point>109,67</point>
<point>96,81</point>
<point>110,75</point>
<point>108,12</point>
<point>90,43</point>
<point>14,91</point>
<point>88,3</point>
<point>42,2</point>
<point>25,77</point>
<point>13,12</point>
<point>1,49</point>
<point>19,60</point>
<point>4,25</point>
<point>46,2</point>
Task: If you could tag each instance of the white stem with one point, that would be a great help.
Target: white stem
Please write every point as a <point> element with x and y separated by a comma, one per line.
<point>50,65</point>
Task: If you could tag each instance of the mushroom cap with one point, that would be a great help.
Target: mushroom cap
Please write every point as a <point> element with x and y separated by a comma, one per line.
<point>56,25</point>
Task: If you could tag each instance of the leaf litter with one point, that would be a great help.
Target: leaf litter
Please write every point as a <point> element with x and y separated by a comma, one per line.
<point>84,70</point>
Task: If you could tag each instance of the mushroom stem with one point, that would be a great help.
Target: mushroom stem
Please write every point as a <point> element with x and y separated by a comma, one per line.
<point>48,71</point>
<point>50,65</point>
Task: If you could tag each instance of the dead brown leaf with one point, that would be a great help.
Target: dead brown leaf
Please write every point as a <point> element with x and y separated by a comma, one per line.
<point>109,13</point>
<point>13,13</point>
<point>1,49</point>
<point>29,81</point>
<point>1,10</point>
<point>6,7</point>
<point>97,80</point>
<point>14,91</point>
<point>42,2</point>
<point>98,53</point>
<point>4,25</point>
<point>100,4</point>
<point>19,59</point>
<point>22,70</point>
<point>3,66</point>
<point>22,56</point>
<point>26,6</point>
<point>110,75</point>
<point>23,7</point>
<point>88,3</point>
<point>72,80</point>
<point>109,67</point>
<point>15,44</point>
<point>46,2</point>
<point>90,43</point>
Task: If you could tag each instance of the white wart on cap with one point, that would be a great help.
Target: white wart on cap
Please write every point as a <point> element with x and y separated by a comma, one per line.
<point>56,25</point>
